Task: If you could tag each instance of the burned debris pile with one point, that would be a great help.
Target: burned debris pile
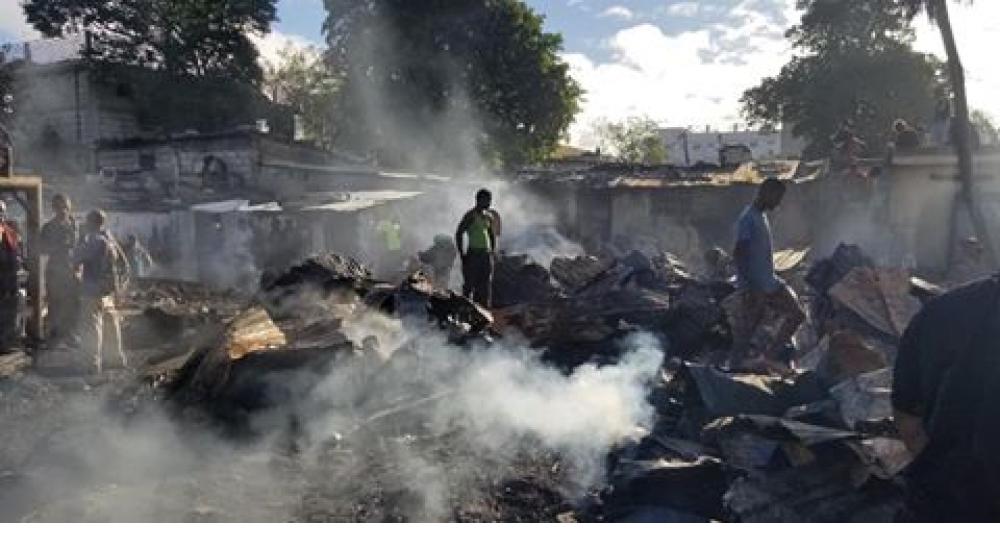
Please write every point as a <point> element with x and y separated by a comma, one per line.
<point>813,444</point>
<point>816,444</point>
<point>338,365</point>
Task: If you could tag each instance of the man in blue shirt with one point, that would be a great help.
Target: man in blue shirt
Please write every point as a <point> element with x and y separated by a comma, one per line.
<point>760,290</point>
<point>103,267</point>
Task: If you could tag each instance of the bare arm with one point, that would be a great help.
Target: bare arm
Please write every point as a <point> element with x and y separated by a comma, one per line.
<point>496,227</point>
<point>462,225</point>
<point>911,431</point>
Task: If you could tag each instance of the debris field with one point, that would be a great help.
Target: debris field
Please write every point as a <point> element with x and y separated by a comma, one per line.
<point>332,396</point>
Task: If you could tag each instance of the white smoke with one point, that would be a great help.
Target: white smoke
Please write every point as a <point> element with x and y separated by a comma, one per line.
<point>486,407</point>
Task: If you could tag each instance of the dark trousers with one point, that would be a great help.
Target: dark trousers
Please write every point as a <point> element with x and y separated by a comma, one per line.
<point>63,297</point>
<point>9,333</point>
<point>948,486</point>
<point>477,270</point>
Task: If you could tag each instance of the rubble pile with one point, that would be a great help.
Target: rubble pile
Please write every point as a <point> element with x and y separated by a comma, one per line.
<point>815,444</point>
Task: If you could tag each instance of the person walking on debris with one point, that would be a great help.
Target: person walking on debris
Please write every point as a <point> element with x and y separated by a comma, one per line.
<point>482,225</point>
<point>441,258</point>
<point>10,264</point>
<point>139,259</point>
<point>104,272</point>
<point>58,238</point>
<point>946,403</point>
<point>759,289</point>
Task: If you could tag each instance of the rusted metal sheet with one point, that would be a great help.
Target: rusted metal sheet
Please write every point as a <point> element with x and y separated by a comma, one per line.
<point>879,296</point>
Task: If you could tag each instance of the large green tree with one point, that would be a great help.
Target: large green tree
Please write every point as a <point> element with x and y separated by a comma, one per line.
<point>850,65</point>
<point>301,80</point>
<point>180,37</point>
<point>431,82</point>
<point>635,140</point>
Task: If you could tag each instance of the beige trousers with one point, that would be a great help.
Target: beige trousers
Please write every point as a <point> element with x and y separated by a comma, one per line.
<point>97,316</point>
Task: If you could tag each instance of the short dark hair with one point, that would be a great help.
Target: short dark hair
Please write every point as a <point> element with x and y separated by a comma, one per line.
<point>484,193</point>
<point>60,197</point>
<point>98,217</point>
<point>772,184</point>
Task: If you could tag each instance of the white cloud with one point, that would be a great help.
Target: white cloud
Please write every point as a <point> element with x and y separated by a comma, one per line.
<point>618,12</point>
<point>976,27</point>
<point>271,44</point>
<point>13,26</point>
<point>691,78</point>
<point>683,9</point>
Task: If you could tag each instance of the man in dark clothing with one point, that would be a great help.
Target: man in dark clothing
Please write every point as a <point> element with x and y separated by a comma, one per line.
<point>62,287</point>
<point>759,289</point>
<point>944,382</point>
<point>441,258</point>
<point>10,264</point>
<point>482,225</point>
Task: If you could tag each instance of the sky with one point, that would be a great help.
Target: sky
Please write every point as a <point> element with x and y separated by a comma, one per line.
<point>681,62</point>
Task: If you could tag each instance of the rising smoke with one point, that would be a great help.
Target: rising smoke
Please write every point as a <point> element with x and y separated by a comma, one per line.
<point>436,416</point>
<point>484,407</point>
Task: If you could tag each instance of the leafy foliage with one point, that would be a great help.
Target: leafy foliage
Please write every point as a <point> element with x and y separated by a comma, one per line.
<point>851,65</point>
<point>303,81</point>
<point>435,79</point>
<point>985,123</point>
<point>180,37</point>
<point>635,140</point>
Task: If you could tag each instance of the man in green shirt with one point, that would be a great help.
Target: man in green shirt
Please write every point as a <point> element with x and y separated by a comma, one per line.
<point>482,226</point>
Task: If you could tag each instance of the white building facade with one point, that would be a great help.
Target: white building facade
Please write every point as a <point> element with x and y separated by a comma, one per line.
<point>687,147</point>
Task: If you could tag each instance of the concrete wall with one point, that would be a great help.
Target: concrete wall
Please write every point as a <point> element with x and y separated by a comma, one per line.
<point>184,159</point>
<point>705,146</point>
<point>922,193</point>
<point>64,99</point>
<point>251,160</point>
<point>686,220</point>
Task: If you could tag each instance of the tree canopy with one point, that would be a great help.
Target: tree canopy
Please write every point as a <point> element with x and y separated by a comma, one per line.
<point>301,80</point>
<point>450,83</point>
<point>851,66</point>
<point>180,37</point>
<point>635,140</point>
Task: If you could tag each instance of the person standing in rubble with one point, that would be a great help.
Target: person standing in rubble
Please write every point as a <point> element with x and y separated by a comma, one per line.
<point>441,258</point>
<point>946,387</point>
<point>58,238</point>
<point>482,226</point>
<point>104,270</point>
<point>139,260</point>
<point>848,150</point>
<point>392,237</point>
<point>10,264</point>
<point>759,290</point>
